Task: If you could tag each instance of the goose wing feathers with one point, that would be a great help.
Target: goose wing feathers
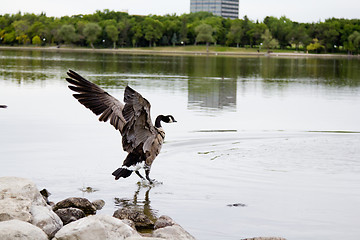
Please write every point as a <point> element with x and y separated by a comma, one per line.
<point>97,100</point>
<point>138,130</point>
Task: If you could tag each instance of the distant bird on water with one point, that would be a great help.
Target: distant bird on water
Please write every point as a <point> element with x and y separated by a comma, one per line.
<point>140,138</point>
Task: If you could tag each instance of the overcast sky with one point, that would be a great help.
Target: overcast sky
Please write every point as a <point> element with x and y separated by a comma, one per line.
<point>301,10</point>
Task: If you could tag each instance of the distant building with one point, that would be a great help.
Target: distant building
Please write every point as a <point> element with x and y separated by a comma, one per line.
<point>223,8</point>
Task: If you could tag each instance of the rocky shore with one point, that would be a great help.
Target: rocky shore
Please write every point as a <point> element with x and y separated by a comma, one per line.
<point>26,214</point>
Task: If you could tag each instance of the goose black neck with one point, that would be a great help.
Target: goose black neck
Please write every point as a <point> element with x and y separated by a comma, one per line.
<point>158,121</point>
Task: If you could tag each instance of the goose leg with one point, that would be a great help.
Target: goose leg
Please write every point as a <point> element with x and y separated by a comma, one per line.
<point>137,173</point>
<point>147,172</point>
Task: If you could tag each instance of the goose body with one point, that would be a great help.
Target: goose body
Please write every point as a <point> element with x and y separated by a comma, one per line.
<point>140,138</point>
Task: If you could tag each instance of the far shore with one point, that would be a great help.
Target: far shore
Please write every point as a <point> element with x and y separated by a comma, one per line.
<point>179,51</point>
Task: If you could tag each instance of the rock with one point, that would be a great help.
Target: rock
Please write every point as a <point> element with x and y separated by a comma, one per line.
<point>129,223</point>
<point>20,230</point>
<point>265,238</point>
<point>164,221</point>
<point>168,229</point>
<point>138,217</point>
<point>68,215</point>
<point>98,204</point>
<point>96,227</point>
<point>20,199</point>
<point>46,194</point>
<point>46,219</point>
<point>77,202</point>
<point>145,238</point>
<point>236,205</point>
<point>16,198</point>
<point>173,232</point>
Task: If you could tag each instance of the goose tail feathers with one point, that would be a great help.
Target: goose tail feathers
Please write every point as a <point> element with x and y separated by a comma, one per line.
<point>121,172</point>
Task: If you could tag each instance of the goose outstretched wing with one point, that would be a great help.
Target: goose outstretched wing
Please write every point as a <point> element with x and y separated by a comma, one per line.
<point>138,130</point>
<point>97,100</point>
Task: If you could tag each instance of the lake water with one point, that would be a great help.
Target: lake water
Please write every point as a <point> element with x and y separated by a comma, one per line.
<point>279,138</point>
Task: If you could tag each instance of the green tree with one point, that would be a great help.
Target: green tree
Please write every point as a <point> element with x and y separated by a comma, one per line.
<point>136,32</point>
<point>236,33</point>
<point>124,27</point>
<point>354,41</point>
<point>183,30</point>
<point>255,33</point>
<point>314,46</point>
<point>280,29</point>
<point>113,33</point>
<point>92,32</point>
<point>298,36</point>
<point>268,40</point>
<point>21,28</point>
<point>36,40</point>
<point>67,33</point>
<point>9,37</point>
<point>328,34</point>
<point>37,29</point>
<point>216,23</point>
<point>172,26</point>
<point>174,39</point>
<point>153,30</point>
<point>204,34</point>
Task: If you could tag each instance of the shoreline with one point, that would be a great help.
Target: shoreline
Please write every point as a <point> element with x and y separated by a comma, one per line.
<point>176,52</point>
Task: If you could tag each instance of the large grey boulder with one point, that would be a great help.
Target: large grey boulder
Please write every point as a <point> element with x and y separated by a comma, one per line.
<point>96,227</point>
<point>20,230</point>
<point>166,228</point>
<point>20,199</point>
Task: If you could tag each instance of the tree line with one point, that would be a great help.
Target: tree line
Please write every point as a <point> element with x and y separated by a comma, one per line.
<point>111,29</point>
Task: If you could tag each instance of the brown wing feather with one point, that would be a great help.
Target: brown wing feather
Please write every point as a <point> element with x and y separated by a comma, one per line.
<point>97,100</point>
<point>138,128</point>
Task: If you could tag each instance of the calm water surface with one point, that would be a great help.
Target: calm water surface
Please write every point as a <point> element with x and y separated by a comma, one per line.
<point>277,137</point>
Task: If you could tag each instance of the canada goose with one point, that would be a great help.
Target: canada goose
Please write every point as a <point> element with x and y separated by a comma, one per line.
<point>140,138</point>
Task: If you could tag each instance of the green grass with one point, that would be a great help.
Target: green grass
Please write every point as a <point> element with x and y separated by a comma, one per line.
<point>202,48</point>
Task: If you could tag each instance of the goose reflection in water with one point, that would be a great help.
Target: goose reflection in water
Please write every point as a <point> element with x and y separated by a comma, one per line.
<point>137,203</point>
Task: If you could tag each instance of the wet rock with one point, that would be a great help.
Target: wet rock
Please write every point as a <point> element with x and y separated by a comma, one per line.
<point>68,215</point>
<point>46,194</point>
<point>168,229</point>
<point>20,230</point>
<point>96,227</point>
<point>20,199</point>
<point>164,221</point>
<point>76,202</point>
<point>236,205</point>
<point>98,204</point>
<point>138,217</point>
<point>88,189</point>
